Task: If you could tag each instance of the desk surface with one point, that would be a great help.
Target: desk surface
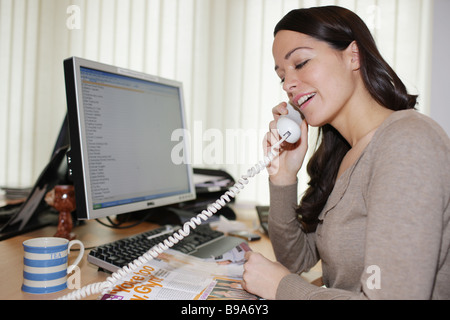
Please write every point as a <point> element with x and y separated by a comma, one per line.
<point>93,234</point>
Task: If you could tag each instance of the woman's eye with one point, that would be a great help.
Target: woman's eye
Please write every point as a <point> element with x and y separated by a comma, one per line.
<point>301,65</point>
<point>297,67</point>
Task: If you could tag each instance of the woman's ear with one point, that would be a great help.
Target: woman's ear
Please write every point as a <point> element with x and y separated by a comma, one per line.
<point>353,53</point>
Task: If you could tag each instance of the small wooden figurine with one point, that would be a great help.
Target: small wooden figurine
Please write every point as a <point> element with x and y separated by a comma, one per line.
<point>62,198</point>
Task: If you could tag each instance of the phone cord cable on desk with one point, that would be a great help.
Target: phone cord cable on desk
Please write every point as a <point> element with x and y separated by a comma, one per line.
<point>111,281</point>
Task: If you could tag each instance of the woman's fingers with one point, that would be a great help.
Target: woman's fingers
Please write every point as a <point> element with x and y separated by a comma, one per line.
<point>280,109</point>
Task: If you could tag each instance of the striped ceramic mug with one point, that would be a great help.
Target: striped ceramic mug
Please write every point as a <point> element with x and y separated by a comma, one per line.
<point>45,264</point>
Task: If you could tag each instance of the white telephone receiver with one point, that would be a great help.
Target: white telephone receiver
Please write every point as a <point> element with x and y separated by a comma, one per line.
<point>289,130</point>
<point>290,123</point>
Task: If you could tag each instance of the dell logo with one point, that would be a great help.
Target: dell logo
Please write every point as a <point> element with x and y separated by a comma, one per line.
<point>149,204</point>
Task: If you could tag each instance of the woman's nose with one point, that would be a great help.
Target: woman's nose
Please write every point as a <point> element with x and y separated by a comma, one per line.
<point>290,83</point>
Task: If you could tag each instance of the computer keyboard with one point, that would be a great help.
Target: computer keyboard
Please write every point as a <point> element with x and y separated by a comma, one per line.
<point>117,254</point>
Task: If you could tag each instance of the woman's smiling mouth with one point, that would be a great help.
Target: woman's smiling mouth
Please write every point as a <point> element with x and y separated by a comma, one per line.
<point>303,99</point>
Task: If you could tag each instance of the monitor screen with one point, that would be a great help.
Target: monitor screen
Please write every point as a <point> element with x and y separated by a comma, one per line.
<point>128,151</point>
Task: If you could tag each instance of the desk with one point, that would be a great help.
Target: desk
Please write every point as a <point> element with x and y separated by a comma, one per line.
<point>93,234</point>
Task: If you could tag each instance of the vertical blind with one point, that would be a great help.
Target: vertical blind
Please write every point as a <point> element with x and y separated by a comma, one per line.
<point>219,49</point>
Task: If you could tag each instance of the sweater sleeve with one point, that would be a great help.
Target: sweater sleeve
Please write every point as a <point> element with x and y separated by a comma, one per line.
<point>293,248</point>
<point>406,200</point>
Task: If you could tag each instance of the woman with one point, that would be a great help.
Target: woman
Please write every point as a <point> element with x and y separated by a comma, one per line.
<point>377,211</point>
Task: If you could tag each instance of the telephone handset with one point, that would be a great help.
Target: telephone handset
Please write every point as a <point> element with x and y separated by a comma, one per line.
<point>289,129</point>
<point>290,123</point>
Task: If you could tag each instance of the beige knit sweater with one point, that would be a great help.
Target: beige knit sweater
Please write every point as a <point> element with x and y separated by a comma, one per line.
<point>384,232</point>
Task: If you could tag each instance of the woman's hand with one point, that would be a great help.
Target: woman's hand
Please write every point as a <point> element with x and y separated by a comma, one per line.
<point>262,276</point>
<point>283,170</point>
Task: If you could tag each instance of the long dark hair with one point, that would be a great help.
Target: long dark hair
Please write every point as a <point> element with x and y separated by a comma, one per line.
<point>339,27</point>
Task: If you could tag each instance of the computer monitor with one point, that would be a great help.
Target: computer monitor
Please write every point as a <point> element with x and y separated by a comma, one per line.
<point>128,145</point>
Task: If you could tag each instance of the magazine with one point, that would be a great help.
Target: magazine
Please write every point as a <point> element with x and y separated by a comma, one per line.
<point>178,276</point>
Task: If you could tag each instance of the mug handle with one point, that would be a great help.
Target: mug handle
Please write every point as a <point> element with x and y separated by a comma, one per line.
<point>80,255</point>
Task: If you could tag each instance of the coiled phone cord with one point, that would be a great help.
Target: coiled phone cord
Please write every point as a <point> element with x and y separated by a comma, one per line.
<point>110,282</point>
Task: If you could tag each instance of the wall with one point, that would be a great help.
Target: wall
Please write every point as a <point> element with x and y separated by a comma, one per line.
<point>440,71</point>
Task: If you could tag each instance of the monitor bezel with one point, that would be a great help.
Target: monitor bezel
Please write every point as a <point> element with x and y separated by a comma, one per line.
<point>76,156</point>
